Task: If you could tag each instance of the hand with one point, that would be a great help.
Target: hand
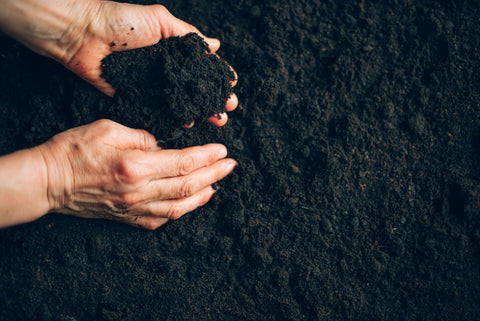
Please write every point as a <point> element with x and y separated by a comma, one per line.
<point>106,170</point>
<point>80,33</point>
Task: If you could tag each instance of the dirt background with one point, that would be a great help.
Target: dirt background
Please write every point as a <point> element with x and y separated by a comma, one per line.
<point>357,195</point>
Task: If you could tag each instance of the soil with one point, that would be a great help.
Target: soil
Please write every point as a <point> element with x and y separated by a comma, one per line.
<point>358,191</point>
<point>175,78</point>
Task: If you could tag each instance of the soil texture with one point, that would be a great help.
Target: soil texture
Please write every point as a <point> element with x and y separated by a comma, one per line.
<point>358,191</point>
<point>175,78</point>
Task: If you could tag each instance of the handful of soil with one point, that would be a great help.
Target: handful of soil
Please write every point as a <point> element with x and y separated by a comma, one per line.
<point>176,77</point>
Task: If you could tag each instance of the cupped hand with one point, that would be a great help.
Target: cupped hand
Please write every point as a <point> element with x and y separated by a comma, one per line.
<point>81,33</point>
<point>129,26</point>
<point>106,170</point>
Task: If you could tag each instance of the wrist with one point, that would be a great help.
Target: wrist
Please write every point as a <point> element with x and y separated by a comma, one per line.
<point>53,28</point>
<point>23,187</point>
<point>40,176</point>
<point>55,174</point>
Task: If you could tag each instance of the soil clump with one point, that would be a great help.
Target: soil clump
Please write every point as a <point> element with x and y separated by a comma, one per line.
<point>176,78</point>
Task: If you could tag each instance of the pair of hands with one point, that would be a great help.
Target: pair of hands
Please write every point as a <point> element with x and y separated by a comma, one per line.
<point>105,169</point>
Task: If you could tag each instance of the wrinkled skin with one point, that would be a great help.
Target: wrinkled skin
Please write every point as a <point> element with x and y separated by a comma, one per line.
<point>110,171</point>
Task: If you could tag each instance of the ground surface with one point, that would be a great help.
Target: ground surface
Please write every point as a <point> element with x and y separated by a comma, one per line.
<point>357,195</point>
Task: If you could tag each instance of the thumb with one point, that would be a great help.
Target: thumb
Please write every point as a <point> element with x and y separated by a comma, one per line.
<point>135,26</point>
<point>140,139</point>
<point>123,137</point>
<point>173,27</point>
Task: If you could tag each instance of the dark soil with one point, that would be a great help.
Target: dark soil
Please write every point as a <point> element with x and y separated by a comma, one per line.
<point>175,78</point>
<point>357,195</point>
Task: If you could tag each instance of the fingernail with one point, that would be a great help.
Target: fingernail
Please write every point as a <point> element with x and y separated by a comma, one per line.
<point>212,41</point>
<point>231,167</point>
<point>190,125</point>
<point>222,152</point>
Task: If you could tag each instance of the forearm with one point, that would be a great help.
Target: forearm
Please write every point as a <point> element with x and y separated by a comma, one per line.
<point>46,26</point>
<point>23,187</point>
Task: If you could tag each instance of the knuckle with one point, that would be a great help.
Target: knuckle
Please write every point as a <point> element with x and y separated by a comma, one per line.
<point>107,128</point>
<point>127,171</point>
<point>162,9</point>
<point>164,15</point>
<point>130,198</point>
<point>174,212</point>
<point>188,188</point>
<point>104,123</point>
<point>147,139</point>
<point>186,164</point>
<point>149,225</point>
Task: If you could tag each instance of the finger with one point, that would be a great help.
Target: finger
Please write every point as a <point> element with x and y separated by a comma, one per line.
<point>172,26</point>
<point>234,81</point>
<point>186,186</point>
<point>123,137</point>
<point>232,102</point>
<point>218,119</point>
<point>174,209</point>
<point>128,138</point>
<point>146,25</point>
<point>176,27</point>
<point>221,118</point>
<point>140,139</point>
<point>172,163</point>
<point>235,77</point>
<point>188,125</point>
<point>148,222</point>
